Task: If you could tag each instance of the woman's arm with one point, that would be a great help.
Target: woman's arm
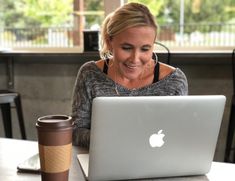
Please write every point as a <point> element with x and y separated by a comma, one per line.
<point>81,111</point>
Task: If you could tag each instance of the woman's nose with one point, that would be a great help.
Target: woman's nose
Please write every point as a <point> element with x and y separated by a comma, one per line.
<point>135,57</point>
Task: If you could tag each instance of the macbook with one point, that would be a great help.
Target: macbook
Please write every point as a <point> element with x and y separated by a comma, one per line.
<point>152,137</point>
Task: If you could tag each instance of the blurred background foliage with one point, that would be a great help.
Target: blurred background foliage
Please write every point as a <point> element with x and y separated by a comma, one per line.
<point>44,13</point>
<point>195,11</point>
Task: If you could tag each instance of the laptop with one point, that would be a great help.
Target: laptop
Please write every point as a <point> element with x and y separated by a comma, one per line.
<point>152,137</point>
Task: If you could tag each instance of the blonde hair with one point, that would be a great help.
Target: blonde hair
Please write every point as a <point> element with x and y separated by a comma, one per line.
<point>127,16</point>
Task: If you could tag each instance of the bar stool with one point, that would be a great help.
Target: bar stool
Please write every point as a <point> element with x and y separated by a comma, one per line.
<point>6,98</point>
<point>231,126</point>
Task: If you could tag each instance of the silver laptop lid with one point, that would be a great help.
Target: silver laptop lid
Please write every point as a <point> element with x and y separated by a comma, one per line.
<point>125,136</point>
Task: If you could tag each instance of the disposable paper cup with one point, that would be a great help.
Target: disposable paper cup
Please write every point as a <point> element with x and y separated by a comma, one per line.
<point>55,146</point>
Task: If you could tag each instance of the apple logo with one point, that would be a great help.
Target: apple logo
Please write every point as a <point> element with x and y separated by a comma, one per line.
<point>156,140</point>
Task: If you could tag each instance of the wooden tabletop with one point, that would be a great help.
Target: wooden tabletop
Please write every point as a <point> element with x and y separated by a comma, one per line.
<point>13,152</point>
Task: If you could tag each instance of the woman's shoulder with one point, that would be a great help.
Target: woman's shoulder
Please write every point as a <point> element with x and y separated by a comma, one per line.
<point>165,70</point>
<point>87,68</point>
<point>93,64</point>
<point>176,81</point>
<point>168,70</point>
<point>90,69</point>
<point>180,74</point>
<point>87,65</point>
<point>100,64</point>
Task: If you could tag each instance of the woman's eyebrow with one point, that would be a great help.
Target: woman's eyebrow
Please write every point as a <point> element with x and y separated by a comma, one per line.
<point>147,45</point>
<point>128,44</point>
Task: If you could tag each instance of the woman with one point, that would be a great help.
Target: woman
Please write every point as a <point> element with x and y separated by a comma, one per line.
<point>126,67</point>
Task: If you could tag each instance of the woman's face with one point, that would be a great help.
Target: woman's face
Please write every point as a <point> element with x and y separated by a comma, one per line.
<point>132,50</point>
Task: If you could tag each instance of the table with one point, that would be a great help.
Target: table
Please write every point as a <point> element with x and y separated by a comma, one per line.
<point>13,151</point>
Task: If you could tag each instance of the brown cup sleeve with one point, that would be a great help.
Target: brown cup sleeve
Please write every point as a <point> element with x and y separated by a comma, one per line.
<point>54,159</point>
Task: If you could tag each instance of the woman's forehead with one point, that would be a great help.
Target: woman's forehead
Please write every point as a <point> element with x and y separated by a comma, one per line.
<point>136,34</point>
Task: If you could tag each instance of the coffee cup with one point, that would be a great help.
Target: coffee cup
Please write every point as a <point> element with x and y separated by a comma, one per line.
<point>55,146</point>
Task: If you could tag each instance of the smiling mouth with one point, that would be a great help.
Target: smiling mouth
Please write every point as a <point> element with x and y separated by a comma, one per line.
<point>131,66</point>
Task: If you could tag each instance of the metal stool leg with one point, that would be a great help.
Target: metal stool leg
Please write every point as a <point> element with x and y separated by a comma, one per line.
<point>6,116</point>
<point>233,155</point>
<point>231,126</point>
<point>20,116</point>
<point>230,134</point>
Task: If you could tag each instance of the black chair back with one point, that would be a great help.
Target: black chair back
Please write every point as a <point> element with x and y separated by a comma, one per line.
<point>162,52</point>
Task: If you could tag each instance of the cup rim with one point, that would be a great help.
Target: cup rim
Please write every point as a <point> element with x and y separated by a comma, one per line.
<point>55,120</point>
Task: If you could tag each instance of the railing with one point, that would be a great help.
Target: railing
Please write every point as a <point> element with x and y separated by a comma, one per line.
<point>206,35</point>
<point>36,37</point>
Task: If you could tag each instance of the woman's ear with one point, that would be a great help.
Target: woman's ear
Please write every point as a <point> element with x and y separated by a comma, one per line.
<point>109,43</point>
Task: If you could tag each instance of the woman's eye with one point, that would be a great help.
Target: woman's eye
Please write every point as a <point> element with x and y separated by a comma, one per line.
<point>126,48</point>
<point>145,49</point>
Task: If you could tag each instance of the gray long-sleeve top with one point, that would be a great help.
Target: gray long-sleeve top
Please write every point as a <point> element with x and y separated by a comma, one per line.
<point>91,82</point>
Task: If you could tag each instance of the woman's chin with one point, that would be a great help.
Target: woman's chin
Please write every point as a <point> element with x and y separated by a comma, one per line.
<point>133,76</point>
